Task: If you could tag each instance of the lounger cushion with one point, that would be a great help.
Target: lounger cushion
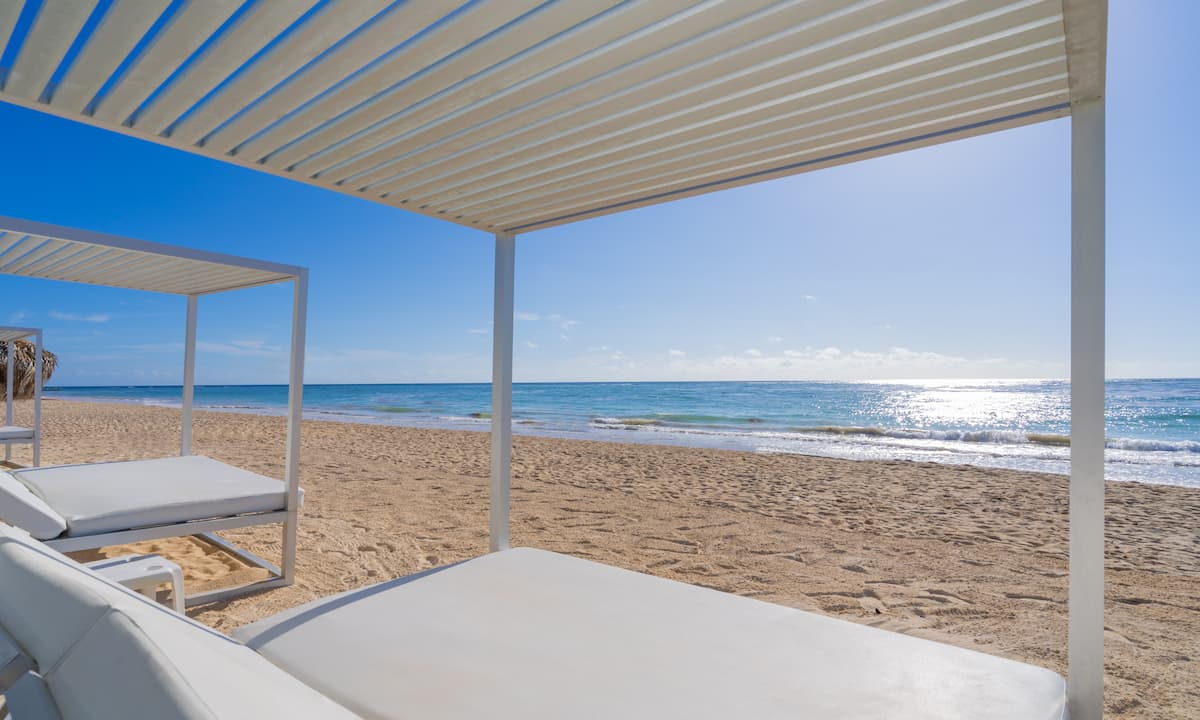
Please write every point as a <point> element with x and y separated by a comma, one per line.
<point>531,634</point>
<point>12,432</point>
<point>108,653</point>
<point>107,497</point>
<point>21,507</point>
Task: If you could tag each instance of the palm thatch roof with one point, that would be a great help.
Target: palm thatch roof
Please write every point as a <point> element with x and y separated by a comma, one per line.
<point>23,362</point>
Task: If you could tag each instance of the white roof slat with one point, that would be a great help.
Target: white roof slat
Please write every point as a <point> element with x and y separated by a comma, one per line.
<point>515,115</point>
<point>957,132</point>
<point>185,32</point>
<point>171,274</point>
<point>57,24</point>
<point>875,84</point>
<point>261,24</point>
<point>18,250</point>
<point>252,135</point>
<point>624,62</point>
<point>108,262</point>
<point>697,76</point>
<point>1045,74</point>
<point>187,285</point>
<point>7,240</point>
<point>119,31</point>
<point>63,262</point>
<point>117,269</point>
<point>461,45</point>
<point>337,19</point>
<point>9,334</point>
<point>834,90</point>
<point>690,169</point>
<point>51,252</point>
<point>777,159</point>
<point>527,48</point>
<point>10,12</point>
<point>45,250</point>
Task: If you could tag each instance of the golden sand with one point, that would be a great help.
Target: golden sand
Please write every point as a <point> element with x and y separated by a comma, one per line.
<point>972,556</point>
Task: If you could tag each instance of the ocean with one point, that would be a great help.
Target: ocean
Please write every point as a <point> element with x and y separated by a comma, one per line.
<point>1153,426</point>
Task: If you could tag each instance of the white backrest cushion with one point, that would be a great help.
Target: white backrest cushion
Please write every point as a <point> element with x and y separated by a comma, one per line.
<point>43,606</point>
<point>19,506</point>
<point>99,644</point>
<point>116,671</point>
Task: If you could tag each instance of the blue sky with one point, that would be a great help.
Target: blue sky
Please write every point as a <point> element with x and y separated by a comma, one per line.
<point>949,261</point>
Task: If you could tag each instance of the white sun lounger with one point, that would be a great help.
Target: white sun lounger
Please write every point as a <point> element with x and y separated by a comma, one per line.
<point>535,635</point>
<point>81,507</point>
<point>103,652</point>
<point>517,634</point>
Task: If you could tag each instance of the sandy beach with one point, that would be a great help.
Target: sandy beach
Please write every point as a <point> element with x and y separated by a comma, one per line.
<point>975,557</point>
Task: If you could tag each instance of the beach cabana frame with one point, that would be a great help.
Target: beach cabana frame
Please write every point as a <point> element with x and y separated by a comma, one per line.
<point>510,116</point>
<point>52,252</point>
<point>10,336</point>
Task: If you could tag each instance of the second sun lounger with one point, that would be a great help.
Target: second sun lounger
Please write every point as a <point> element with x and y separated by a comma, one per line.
<point>83,507</point>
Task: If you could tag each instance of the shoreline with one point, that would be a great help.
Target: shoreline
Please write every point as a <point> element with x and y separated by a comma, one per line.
<point>967,555</point>
<point>1021,451</point>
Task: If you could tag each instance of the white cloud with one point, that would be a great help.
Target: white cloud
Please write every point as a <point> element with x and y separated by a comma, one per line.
<point>235,349</point>
<point>568,324</point>
<point>16,318</point>
<point>810,297</point>
<point>531,345</point>
<point>754,352</point>
<point>248,344</point>
<point>76,317</point>
<point>774,339</point>
<point>676,353</point>
<point>527,316</point>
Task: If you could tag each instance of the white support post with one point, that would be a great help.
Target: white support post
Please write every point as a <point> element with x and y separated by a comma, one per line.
<point>1085,681</point>
<point>8,395</point>
<point>291,472</point>
<point>502,365</point>
<point>189,376</point>
<point>37,400</point>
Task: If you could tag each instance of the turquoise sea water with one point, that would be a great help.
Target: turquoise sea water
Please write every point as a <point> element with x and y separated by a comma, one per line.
<point>1153,426</point>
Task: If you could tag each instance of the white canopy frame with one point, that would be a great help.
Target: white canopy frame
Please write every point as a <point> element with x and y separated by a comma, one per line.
<point>1085,681</point>
<point>53,252</point>
<point>11,335</point>
<point>514,115</point>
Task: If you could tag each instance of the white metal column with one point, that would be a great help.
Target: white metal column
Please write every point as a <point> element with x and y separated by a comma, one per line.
<point>291,472</point>
<point>189,376</point>
<point>1085,682</point>
<point>502,364</point>
<point>8,395</point>
<point>37,400</point>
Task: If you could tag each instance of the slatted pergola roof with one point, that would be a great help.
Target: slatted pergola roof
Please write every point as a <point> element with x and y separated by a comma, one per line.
<point>52,252</point>
<point>9,334</point>
<point>514,115</point>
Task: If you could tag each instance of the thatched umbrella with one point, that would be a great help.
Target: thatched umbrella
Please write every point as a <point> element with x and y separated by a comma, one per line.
<point>23,361</point>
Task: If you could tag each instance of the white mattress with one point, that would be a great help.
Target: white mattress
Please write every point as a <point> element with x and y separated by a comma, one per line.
<point>12,432</point>
<point>534,635</point>
<point>106,497</point>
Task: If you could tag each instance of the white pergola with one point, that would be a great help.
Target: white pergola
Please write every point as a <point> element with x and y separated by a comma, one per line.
<point>514,115</point>
<point>51,252</point>
<point>11,434</point>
